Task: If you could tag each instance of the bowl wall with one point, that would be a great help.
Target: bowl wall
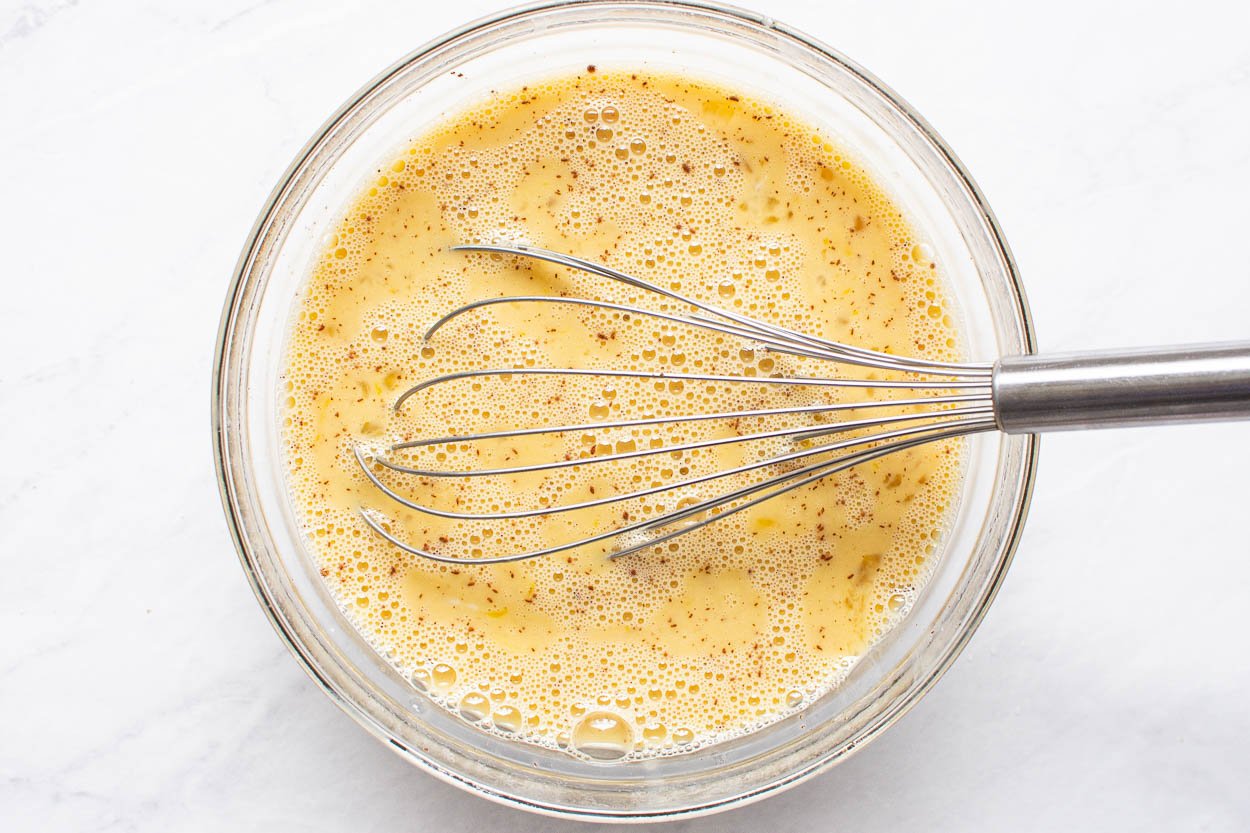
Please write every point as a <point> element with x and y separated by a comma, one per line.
<point>734,49</point>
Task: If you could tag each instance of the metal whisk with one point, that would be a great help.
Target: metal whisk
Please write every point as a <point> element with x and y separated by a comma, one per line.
<point>1016,395</point>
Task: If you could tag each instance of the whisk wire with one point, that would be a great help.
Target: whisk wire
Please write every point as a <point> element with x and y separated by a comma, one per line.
<point>666,420</point>
<point>834,348</point>
<point>364,458</point>
<point>806,432</point>
<point>955,400</point>
<point>811,381</point>
<point>803,476</point>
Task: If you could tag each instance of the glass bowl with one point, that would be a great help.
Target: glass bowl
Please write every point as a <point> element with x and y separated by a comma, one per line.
<point>736,49</point>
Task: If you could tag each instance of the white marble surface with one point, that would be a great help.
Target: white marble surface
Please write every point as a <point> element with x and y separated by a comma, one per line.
<point>141,688</point>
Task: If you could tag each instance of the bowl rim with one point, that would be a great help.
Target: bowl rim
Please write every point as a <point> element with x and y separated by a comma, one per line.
<point>222,390</point>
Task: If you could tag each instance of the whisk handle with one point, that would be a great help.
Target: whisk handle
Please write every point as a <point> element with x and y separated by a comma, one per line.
<point>1065,392</point>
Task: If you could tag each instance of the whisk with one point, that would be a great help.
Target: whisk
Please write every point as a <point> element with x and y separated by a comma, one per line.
<point>1016,395</point>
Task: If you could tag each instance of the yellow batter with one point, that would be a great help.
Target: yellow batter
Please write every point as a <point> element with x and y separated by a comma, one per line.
<point>699,189</point>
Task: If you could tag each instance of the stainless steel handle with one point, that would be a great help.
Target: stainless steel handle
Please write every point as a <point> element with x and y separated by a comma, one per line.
<point>1064,392</point>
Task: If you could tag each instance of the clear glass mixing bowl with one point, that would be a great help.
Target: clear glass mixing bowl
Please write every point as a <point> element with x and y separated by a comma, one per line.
<point>737,49</point>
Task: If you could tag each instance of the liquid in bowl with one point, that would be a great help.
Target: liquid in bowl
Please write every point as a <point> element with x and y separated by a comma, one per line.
<point>707,191</point>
